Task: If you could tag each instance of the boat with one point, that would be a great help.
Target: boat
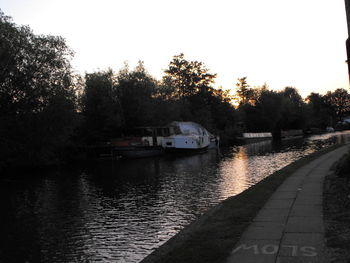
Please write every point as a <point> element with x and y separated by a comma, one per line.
<point>138,151</point>
<point>187,137</point>
<point>250,137</point>
<point>140,142</point>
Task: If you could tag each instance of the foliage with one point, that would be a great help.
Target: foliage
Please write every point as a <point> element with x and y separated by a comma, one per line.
<point>40,115</point>
<point>339,103</point>
<point>100,107</point>
<point>293,109</point>
<point>136,89</point>
<point>270,109</point>
<point>191,84</point>
<point>343,167</point>
<point>329,109</point>
<point>37,97</point>
<point>188,77</point>
<point>318,112</point>
<point>244,92</point>
<point>264,110</point>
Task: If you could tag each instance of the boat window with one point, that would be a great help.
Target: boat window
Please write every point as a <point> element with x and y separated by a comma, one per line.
<point>186,132</point>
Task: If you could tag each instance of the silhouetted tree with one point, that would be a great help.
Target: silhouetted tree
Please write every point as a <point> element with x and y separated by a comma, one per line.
<point>293,112</point>
<point>136,89</point>
<point>319,115</point>
<point>264,110</point>
<point>271,108</point>
<point>100,107</point>
<point>339,102</point>
<point>188,77</point>
<point>245,94</point>
<point>37,97</point>
<point>189,85</point>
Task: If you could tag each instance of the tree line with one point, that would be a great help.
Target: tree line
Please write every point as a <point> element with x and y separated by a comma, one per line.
<point>261,109</point>
<point>47,111</point>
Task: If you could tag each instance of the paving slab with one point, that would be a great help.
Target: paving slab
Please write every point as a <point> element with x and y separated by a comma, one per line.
<point>278,215</point>
<point>279,203</point>
<point>311,224</point>
<point>313,179</point>
<point>289,187</point>
<point>264,230</point>
<point>312,187</point>
<point>309,200</point>
<point>283,195</point>
<point>296,179</point>
<point>305,194</point>
<point>306,210</point>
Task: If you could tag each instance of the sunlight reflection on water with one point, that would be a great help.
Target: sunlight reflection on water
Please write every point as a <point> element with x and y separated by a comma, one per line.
<point>122,211</point>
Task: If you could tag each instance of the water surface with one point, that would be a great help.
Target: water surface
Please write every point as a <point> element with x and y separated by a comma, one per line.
<point>121,211</point>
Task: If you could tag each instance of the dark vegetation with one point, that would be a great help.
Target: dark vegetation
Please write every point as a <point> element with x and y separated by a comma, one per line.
<point>337,211</point>
<point>48,113</point>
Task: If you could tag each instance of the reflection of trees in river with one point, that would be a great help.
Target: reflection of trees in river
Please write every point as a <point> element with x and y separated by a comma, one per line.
<point>155,196</point>
<point>123,210</point>
<point>48,219</point>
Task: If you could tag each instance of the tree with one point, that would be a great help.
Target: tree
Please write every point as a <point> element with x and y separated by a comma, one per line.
<point>293,109</point>
<point>264,110</point>
<point>136,89</point>
<point>271,108</point>
<point>188,77</point>
<point>339,102</point>
<point>244,92</point>
<point>191,83</point>
<point>257,92</point>
<point>37,96</point>
<point>319,114</point>
<point>223,112</point>
<point>100,107</point>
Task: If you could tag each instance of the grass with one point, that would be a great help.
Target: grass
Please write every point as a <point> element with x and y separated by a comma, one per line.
<point>211,238</point>
<point>343,169</point>
<point>336,208</point>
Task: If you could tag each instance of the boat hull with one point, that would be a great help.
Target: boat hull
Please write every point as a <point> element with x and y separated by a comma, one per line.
<point>186,150</point>
<point>135,152</point>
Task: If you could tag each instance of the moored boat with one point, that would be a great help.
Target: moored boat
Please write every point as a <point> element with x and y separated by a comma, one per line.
<point>186,137</point>
<point>249,137</point>
<point>138,151</point>
<point>140,142</point>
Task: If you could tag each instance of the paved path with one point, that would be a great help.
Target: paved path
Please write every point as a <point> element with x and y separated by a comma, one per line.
<point>289,228</point>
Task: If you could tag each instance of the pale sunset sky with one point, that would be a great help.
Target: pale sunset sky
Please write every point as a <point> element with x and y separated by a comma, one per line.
<point>299,43</point>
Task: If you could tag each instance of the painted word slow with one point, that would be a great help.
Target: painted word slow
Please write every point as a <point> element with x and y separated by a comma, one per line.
<point>270,249</point>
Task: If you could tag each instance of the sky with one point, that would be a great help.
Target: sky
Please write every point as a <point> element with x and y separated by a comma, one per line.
<point>298,43</point>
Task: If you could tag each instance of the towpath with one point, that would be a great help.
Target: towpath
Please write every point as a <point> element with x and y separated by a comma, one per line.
<point>290,228</point>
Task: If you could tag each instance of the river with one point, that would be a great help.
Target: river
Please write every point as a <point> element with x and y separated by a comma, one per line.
<point>121,211</point>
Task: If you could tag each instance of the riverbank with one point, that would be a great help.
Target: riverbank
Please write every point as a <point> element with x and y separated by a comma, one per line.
<point>212,237</point>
